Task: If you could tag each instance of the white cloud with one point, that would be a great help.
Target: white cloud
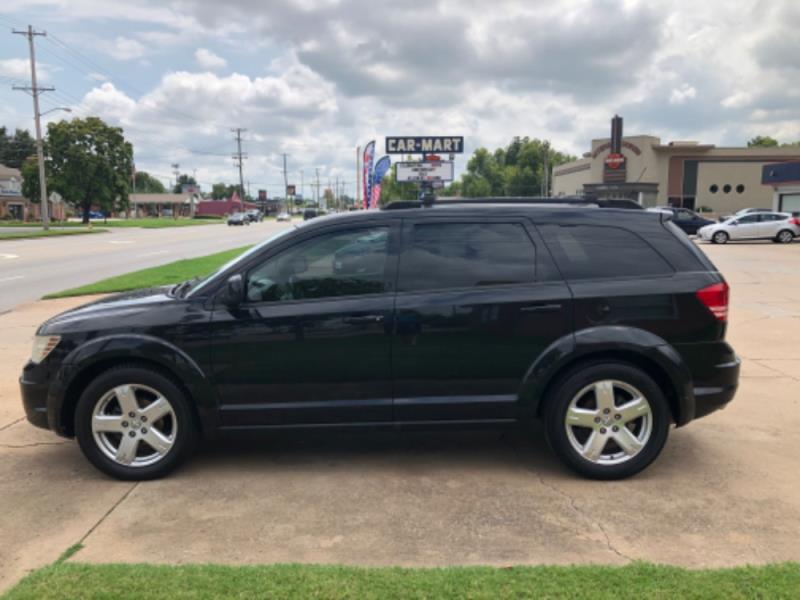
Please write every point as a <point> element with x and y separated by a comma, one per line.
<point>20,68</point>
<point>682,94</point>
<point>123,48</point>
<point>208,60</point>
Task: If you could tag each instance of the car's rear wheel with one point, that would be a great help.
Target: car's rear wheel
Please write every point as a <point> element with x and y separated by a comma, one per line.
<point>134,423</point>
<point>607,420</point>
<point>720,237</point>
<point>784,236</point>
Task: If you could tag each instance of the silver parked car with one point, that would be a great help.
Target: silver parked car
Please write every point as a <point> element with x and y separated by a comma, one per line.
<point>778,227</point>
<point>743,212</point>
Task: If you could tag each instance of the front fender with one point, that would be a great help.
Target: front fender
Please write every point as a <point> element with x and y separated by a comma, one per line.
<point>130,347</point>
<point>610,341</point>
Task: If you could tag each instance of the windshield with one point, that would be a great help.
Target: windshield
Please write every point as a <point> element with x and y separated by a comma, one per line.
<point>202,283</point>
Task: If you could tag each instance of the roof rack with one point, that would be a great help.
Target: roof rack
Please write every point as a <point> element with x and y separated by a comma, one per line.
<point>567,200</point>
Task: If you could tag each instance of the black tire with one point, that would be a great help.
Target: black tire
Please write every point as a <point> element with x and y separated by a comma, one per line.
<point>185,436</point>
<point>720,237</point>
<point>571,384</point>
<point>784,236</point>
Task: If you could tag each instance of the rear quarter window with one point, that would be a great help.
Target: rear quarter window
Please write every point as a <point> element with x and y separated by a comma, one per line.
<point>601,252</point>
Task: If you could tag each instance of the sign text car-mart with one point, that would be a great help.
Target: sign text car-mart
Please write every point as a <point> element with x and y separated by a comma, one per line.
<point>422,144</point>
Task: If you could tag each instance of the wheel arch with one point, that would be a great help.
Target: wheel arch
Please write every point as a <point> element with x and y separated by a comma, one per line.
<point>87,362</point>
<point>629,345</point>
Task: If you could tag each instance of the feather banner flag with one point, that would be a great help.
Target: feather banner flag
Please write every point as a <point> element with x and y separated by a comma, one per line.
<point>381,168</point>
<point>369,157</point>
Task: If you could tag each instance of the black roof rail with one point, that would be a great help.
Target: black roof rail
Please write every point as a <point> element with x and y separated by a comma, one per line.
<point>566,200</point>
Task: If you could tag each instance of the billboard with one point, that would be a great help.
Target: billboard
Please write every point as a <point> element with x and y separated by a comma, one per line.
<point>453,144</point>
<point>425,171</point>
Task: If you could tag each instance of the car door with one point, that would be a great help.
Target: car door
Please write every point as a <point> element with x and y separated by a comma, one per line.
<point>683,219</point>
<point>310,343</point>
<point>477,303</point>
<point>770,224</point>
<point>746,227</point>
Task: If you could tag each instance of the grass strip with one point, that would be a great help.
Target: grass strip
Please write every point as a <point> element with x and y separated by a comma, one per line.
<point>198,582</point>
<point>173,272</point>
<point>40,233</point>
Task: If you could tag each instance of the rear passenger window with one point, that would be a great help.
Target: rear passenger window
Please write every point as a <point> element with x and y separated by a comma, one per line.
<point>589,251</point>
<point>457,255</point>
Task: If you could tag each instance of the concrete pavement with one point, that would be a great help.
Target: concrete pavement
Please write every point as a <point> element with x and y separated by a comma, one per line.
<point>725,491</point>
<point>31,268</point>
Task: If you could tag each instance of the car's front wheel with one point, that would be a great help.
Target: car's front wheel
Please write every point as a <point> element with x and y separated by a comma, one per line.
<point>607,420</point>
<point>720,237</point>
<point>134,423</point>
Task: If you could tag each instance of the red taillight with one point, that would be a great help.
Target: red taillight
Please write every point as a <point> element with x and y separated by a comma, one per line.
<point>715,299</point>
<point>795,221</point>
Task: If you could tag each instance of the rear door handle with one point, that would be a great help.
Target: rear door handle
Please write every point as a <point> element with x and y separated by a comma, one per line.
<point>541,308</point>
<point>364,319</point>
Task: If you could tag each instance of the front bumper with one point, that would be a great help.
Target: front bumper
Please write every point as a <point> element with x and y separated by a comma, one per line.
<point>34,400</point>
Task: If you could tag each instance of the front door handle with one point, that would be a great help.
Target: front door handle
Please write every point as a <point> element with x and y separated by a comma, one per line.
<point>541,308</point>
<point>364,319</point>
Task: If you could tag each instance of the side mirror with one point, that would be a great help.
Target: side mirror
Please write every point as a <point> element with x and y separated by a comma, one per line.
<point>233,293</point>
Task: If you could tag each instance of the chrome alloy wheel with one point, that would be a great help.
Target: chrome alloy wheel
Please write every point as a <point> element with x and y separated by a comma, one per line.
<point>134,425</point>
<point>785,236</point>
<point>608,422</point>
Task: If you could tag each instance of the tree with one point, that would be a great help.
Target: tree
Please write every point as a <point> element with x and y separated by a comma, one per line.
<point>762,141</point>
<point>14,150</point>
<point>392,190</point>
<point>89,163</point>
<point>30,178</point>
<point>147,184</point>
<point>221,191</point>
<point>183,180</point>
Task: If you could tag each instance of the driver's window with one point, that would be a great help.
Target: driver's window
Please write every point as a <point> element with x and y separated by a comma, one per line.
<point>748,219</point>
<point>683,215</point>
<point>345,263</point>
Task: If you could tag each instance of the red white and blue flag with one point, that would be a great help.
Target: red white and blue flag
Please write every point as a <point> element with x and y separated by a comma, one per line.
<point>369,157</point>
<point>381,168</point>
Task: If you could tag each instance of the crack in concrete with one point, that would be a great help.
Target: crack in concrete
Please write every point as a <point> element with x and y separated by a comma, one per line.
<point>32,444</point>
<point>79,543</point>
<point>4,427</point>
<point>761,362</point>
<point>572,502</point>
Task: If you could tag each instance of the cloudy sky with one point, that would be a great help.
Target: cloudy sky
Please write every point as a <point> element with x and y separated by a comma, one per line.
<point>315,78</point>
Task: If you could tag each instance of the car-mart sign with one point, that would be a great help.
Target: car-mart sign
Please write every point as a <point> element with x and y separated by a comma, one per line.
<point>421,145</point>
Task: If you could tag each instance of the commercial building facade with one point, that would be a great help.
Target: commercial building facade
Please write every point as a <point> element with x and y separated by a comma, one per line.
<point>689,174</point>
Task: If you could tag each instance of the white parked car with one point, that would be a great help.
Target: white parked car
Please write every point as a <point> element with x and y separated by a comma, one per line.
<point>743,212</point>
<point>778,227</point>
<point>284,216</point>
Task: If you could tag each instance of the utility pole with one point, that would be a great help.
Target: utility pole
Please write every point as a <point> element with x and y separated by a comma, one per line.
<point>316,197</point>
<point>34,91</point>
<point>302,193</point>
<point>238,160</point>
<point>176,170</point>
<point>286,185</point>
<point>358,176</point>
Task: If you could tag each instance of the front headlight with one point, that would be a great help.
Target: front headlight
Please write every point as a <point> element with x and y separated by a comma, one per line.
<point>42,346</point>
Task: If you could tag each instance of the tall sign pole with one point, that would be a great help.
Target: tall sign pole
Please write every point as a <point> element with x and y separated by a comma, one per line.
<point>35,90</point>
<point>358,176</point>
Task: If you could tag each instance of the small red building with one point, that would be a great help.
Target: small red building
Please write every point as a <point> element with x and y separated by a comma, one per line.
<point>220,208</point>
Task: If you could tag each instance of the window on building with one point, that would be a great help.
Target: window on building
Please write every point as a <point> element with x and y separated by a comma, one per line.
<point>459,255</point>
<point>589,251</point>
<point>713,188</point>
<point>726,188</point>
<point>739,189</point>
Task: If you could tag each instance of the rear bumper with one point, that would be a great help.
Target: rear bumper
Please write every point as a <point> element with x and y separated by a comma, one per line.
<point>715,375</point>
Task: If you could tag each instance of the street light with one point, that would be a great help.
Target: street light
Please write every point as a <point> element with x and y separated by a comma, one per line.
<point>64,108</point>
<point>44,206</point>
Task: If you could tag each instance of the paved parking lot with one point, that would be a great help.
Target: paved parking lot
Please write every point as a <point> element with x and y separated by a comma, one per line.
<point>725,491</point>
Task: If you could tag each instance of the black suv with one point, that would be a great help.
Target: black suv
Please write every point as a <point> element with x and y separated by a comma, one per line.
<point>608,324</point>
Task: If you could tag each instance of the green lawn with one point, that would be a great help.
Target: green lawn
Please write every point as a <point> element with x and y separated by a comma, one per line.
<point>164,275</point>
<point>38,233</point>
<point>635,581</point>
<point>147,223</point>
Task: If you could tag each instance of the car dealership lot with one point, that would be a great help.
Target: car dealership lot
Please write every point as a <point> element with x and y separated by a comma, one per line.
<point>726,490</point>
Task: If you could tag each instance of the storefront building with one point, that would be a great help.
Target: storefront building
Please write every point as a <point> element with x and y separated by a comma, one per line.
<point>783,180</point>
<point>690,174</point>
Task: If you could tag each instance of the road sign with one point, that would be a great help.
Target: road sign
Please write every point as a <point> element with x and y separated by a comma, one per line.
<point>615,160</point>
<point>423,144</point>
<point>425,171</point>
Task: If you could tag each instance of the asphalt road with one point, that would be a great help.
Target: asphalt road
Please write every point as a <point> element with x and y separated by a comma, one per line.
<point>32,268</point>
